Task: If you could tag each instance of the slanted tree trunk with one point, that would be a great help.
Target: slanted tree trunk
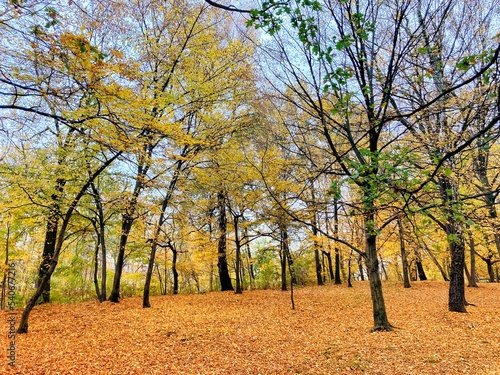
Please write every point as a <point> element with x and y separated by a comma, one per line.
<point>418,263</point>
<point>50,238</point>
<point>156,236</point>
<point>225,279</point>
<point>420,271</point>
<point>443,272</point>
<point>30,304</point>
<point>128,219</point>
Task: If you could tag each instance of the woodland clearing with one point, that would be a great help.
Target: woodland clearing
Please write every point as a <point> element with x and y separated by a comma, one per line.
<point>258,333</point>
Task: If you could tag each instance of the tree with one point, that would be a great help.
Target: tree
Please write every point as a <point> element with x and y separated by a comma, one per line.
<point>362,56</point>
<point>446,127</point>
<point>23,324</point>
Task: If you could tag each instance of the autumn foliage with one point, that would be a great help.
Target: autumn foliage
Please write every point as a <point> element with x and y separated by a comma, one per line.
<point>258,333</point>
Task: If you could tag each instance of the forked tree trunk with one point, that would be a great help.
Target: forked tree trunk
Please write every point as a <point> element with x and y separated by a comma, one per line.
<point>127,221</point>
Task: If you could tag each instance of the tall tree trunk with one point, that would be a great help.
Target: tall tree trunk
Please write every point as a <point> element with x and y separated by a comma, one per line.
<point>338,281</point>
<point>382,266</point>
<point>404,260</point>
<point>239,289</point>
<point>225,279</point>
<point>456,295</point>
<point>127,221</point>
<point>283,263</point>
<point>314,222</point>
<point>99,228</point>
<point>251,274</point>
<point>128,218</point>
<point>288,259</point>
<point>96,269</point>
<point>283,256</point>
<point>175,273</point>
<point>162,281</point>
<point>149,273</point>
<point>456,242</point>
<point>349,271</point>
<point>473,273</point>
<point>317,260</point>
<point>489,197</point>
<point>361,270</point>
<point>448,187</point>
<point>380,320</point>
<point>50,238</point>
<point>330,264</point>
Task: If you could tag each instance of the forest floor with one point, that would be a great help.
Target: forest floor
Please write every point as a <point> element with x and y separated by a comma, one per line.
<point>258,333</point>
